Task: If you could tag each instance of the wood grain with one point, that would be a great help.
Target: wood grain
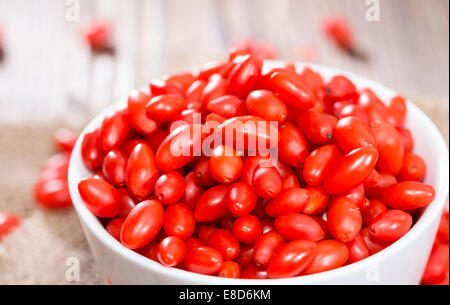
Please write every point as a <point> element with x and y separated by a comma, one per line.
<point>49,72</point>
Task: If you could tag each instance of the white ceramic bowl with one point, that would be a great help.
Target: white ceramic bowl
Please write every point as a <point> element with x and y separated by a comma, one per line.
<point>401,263</point>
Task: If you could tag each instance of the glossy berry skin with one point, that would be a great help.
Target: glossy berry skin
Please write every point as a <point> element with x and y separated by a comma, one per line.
<point>114,226</point>
<point>376,190</point>
<point>150,251</point>
<point>371,209</point>
<point>245,257</point>
<point>351,170</point>
<point>340,88</point>
<point>179,221</point>
<point>161,87</point>
<point>59,163</point>
<point>356,195</point>
<point>142,224</point>
<point>212,204</point>
<point>192,191</point>
<point>114,131</point>
<point>224,241</point>
<point>114,166</point>
<point>264,80</point>
<point>391,225</point>
<point>254,272</point>
<point>215,88</point>
<point>265,246</point>
<point>203,260</point>
<point>390,146</point>
<point>241,199</point>
<point>353,110</point>
<point>414,168</point>
<point>443,230</point>
<point>215,118</point>
<point>398,109</point>
<point>52,193</point>
<point>166,107</point>
<point>267,224</point>
<point>193,94</point>
<point>188,138</point>
<point>243,77</point>
<point>156,138</point>
<point>352,133</point>
<point>210,68</point>
<point>293,147</point>
<point>291,259</point>
<point>141,172</point>
<point>437,264</point>
<point>202,173</point>
<point>100,197</point>
<point>169,188</point>
<point>204,232</point>
<point>344,219</point>
<point>331,254</point>
<point>126,202</point>
<point>227,222</point>
<point>227,106</point>
<point>407,139</point>
<point>313,80</point>
<point>292,90</point>
<point>267,181</point>
<point>267,105</point>
<point>290,181</point>
<point>249,165</point>
<point>296,226</point>
<point>247,229</point>
<point>193,242</point>
<point>91,153</point>
<point>64,139</point>
<point>374,245</point>
<point>181,80</point>
<point>230,269</point>
<point>374,107</point>
<point>319,162</point>
<point>139,121</point>
<point>408,195</point>
<point>317,200</point>
<point>249,133</point>
<point>129,145</point>
<point>292,200</point>
<point>225,166</point>
<point>357,249</point>
<point>171,251</point>
<point>317,127</point>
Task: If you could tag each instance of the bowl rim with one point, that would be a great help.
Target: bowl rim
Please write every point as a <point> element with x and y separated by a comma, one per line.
<point>430,213</point>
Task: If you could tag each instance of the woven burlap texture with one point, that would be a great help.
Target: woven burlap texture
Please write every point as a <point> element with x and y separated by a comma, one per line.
<point>37,251</point>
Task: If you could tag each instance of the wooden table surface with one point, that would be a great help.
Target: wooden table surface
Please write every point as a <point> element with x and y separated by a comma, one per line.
<point>48,71</point>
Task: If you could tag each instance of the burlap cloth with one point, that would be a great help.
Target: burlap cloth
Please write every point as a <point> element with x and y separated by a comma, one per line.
<point>36,251</point>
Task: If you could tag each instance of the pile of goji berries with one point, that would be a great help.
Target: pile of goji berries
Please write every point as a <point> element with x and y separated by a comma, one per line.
<point>346,183</point>
<point>51,190</point>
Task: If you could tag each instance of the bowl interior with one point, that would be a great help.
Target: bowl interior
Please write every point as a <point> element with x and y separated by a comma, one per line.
<point>428,143</point>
